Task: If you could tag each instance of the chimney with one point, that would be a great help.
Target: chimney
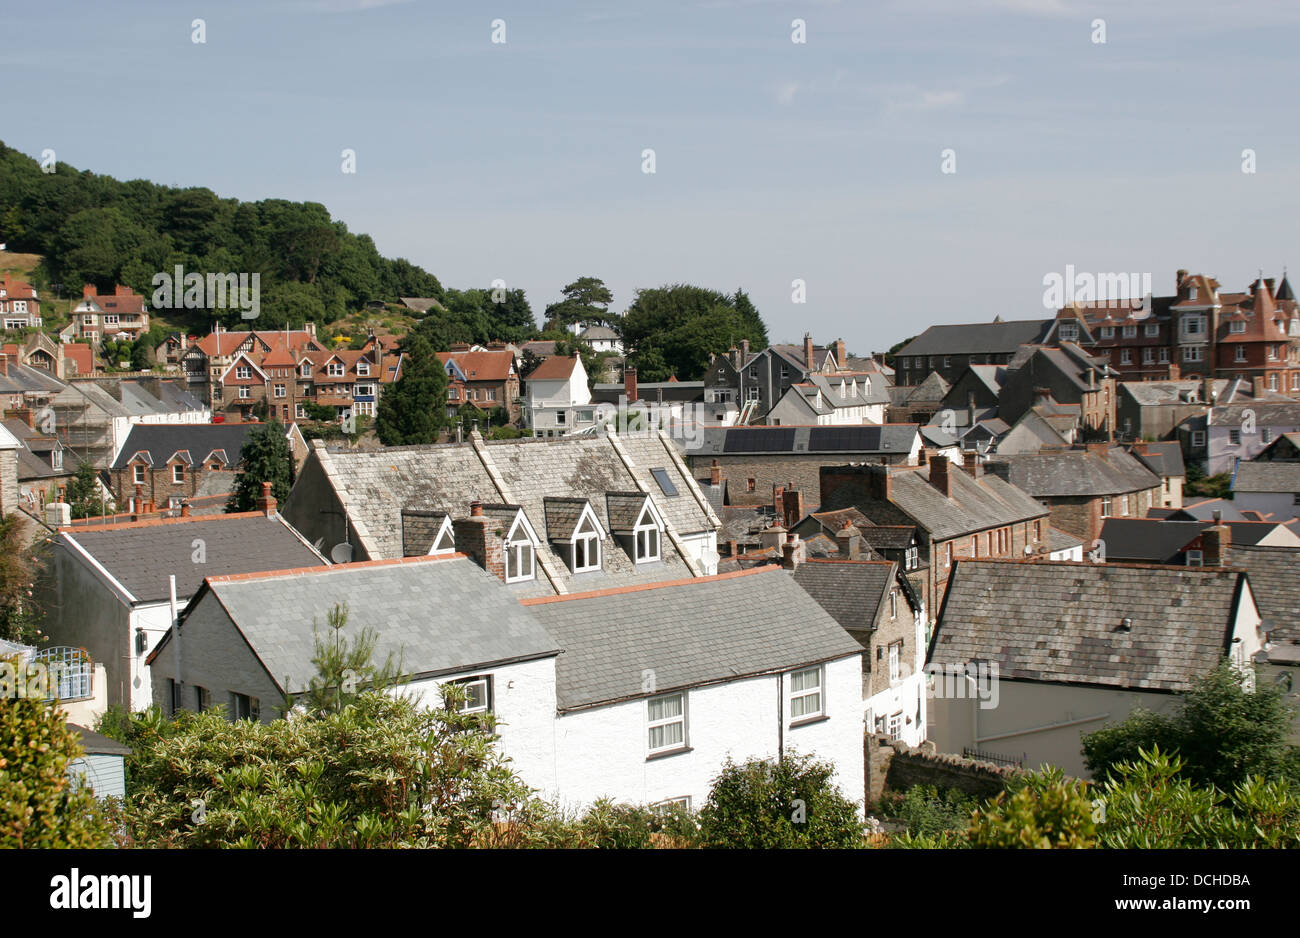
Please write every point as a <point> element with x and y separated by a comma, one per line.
<point>808,351</point>
<point>4,364</point>
<point>629,385</point>
<point>849,541</point>
<point>970,408</point>
<point>1181,276</point>
<point>185,508</point>
<point>1216,542</point>
<point>88,290</point>
<point>1175,371</point>
<point>778,499</point>
<point>733,355</point>
<point>58,514</point>
<point>715,474</point>
<point>137,502</point>
<point>481,539</point>
<point>1098,449</point>
<point>21,413</point>
<point>266,503</point>
<point>1258,387</point>
<point>773,537</point>
<point>922,456</point>
<point>744,351</point>
<point>972,465</point>
<point>939,475</point>
<point>733,549</point>
<point>793,507</point>
<point>793,552</point>
<point>841,354</point>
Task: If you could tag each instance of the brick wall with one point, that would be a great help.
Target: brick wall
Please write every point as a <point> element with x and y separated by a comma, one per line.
<point>158,486</point>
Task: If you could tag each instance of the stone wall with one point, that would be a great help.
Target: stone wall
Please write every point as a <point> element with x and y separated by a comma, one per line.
<point>896,766</point>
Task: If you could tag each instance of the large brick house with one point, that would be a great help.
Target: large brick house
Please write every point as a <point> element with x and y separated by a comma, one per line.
<point>486,379</point>
<point>120,314</point>
<point>164,464</point>
<point>20,307</point>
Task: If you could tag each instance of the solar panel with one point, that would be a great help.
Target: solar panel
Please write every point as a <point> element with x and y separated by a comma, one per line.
<point>844,439</point>
<point>762,440</point>
<point>665,483</point>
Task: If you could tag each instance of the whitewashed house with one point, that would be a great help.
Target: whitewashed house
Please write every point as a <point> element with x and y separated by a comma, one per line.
<point>558,399</point>
<point>107,587</point>
<point>838,399</point>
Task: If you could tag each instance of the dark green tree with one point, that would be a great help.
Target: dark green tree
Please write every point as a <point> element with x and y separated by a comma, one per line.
<point>83,492</point>
<point>265,457</point>
<point>22,560</point>
<point>586,300</point>
<point>345,667</point>
<point>672,330</point>
<point>414,409</point>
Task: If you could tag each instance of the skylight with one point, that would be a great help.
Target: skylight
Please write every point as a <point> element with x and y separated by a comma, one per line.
<point>665,483</point>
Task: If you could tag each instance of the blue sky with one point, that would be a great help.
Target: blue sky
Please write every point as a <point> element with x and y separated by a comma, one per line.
<point>774,160</point>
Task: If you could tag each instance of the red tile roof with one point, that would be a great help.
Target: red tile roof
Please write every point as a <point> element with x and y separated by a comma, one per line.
<point>481,366</point>
<point>555,368</point>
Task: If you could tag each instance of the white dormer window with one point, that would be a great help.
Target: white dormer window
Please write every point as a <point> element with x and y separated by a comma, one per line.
<point>1238,326</point>
<point>178,473</point>
<point>336,369</point>
<point>137,475</point>
<point>647,544</point>
<point>1130,332</point>
<point>445,542</point>
<point>520,554</point>
<point>1108,332</point>
<point>1152,329</point>
<point>305,370</point>
<point>363,368</point>
<point>1191,294</point>
<point>584,551</point>
<point>844,390</point>
<point>56,459</point>
<point>1069,331</point>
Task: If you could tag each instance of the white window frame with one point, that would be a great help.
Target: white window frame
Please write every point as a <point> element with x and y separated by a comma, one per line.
<point>1130,332</point>
<point>178,473</point>
<point>137,475</point>
<point>801,696</point>
<point>1237,325</point>
<point>281,391</point>
<point>1106,506</point>
<point>1195,558</point>
<point>1198,439</point>
<point>896,725</point>
<point>243,371</point>
<point>895,662</point>
<point>663,722</point>
<point>336,369</point>
<point>1152,330</point>
<point>363,369</point>
<point>245,392</point>
<point>479,680</point>
<point>1234,437</point>
<point>647,543</point>
<point>1108,332</point>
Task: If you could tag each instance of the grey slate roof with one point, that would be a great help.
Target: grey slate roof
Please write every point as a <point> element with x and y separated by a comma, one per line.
<point>1203,511</point>
<point>1164,459</point>
<point>623,509</point>
<point>850,590</point>
<point>1267,477</point>
<point>884,439</point>
<point>709,630</point>
<point>974,505</point>
<point>1058,621</point>
<point>977,338</point>
<point>1276,586</point>
<point>1074,472</point>
<point>562,516</point>
<point>438,615</point>
<point>161,440</point>
<point>1149,540</point>
<point>887,536</point>
<point>142,556</point>
<point>1062,540</point>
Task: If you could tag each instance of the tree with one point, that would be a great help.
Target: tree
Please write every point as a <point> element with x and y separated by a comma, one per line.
<point>587,300</point>
<point>265,457</point>
<point>1224,731</point>
<point>40,806</point>
<point>790,803</point>
<point>1049,812</point>
<point>414,409</point>
<point>83,492</point>
<point>21,563</point>
<point>673,330</point>
<point>345,668</point>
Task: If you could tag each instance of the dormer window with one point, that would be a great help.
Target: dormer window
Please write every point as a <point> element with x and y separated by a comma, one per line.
<point>519,561</point>
<point>1069,331</point>
<point>572,525</point>
<point>586,551</point>
<point>336,369</point>
<point>1237,326</point>
<point>363,369</point>
<point>305,370</point>
<point>445,542</point>
<point>137,475</point>
<point>178,473</point>
<point>1191,294</point>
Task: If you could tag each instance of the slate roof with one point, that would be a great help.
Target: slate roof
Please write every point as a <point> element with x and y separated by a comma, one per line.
<point>1060,621</point>
<point>850,590</point>
<point>1164,459</point>
<point>161,440</point>
<point>1062,540</point>
<point>934,388</point>
<point>883,439</point>
<point>1276,586</point>
<point>1267,477</point>
<point>562,516</point>
<point>707,630</point>
<point>142,555</point>
<point>375,487</point>
<point>974,505</point>
<point>1074,472</point>
<point>887,536</point>
<point>623,509</point>
<point>1203,511</point>
<point>438,615</point>
<point>21,378</point>
<point>1146,539</point>
<point>977,338</point>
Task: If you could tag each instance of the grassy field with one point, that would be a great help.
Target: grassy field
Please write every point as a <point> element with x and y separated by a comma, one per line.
<point>20,265</point>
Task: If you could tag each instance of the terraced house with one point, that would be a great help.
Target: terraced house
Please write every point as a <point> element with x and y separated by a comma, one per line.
<point>546,517</point>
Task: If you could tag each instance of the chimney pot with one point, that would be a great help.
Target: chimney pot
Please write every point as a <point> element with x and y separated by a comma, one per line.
<point>476,509</point>
<point>715,474</point>
<point>266,503</point>
<point>629,385</point>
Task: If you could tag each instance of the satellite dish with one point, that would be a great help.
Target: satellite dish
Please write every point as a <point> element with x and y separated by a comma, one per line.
<point>342,553</point>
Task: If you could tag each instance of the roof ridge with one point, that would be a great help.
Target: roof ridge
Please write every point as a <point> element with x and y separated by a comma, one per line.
<point>153,522</point>
<point>642,587</point>
<point>332,568</point>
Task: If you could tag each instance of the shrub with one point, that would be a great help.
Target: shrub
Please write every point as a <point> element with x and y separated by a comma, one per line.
<point>1047,812</point>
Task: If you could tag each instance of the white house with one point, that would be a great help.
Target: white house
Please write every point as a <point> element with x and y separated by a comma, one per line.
<point>1027,657</point>
<point>107,589</point>
<point>837,399</point>
<point>1271,488</point>
<point>602,339</point>
<point>558,399</point>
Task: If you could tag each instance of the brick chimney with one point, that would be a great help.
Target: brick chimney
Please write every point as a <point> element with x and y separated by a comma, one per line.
<point>841,353</point>
<point>792,508</point>
<point>972,465</point>
<point>481,539</point>
<point>939,475</point>
<point>88,290</point>
<point>1216,544</point>
<point>185,508</point>
<point>808,351</point>
<point>744,351</point>
<point>629,384</point>
<point>1098,449</point>
<point>715,474</point>
<point>4,364</point>
<point>793,552</point>
<point>849,541</point>
<point>1175,371</point>
<point>266,504</point>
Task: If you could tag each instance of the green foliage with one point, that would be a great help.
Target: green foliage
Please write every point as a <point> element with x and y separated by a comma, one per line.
<point>792,803</point>
<point>414,409</point>
<point>83,492</point>
<point>893,351</point>
<point>586,300</point>
<point>1198,483</point>
<point>1224,733</point>
<point>672,330</point>
<point>40,807</point>
<point>320,412</point>
<point>95,229</point>
<point>473,316</point>
<point>930,811</point>
<point>21,563</point>
<point>1048,812</point>
<point>344,667</point>
<point>265,457</point>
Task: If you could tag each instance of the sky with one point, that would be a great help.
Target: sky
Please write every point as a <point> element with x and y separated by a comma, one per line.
<point>775,161</point>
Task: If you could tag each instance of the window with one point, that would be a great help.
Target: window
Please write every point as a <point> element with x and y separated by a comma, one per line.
<point>243,707</point>
<point>245,391</point>
<point>243,371</point>
<point>1191,294</point>
<point>1126,356</point>
<point>1130,332</point>
<point>670,806</point>
<point>753,373</point>
<point>174,695</point>
<point>910,559</point>
<point>137,475</point>
<point>1105,506</point>
<point>1193,325</point>
<point>1265,435</point>
<point>806,694</point>
<point>666,723</point>
<point>1237,326</point>
<point>478,694</point>
<point>1193,353</point>
<point>491,394</point>
<point>896,725</point>
<point>561,417</point>
<point>1069,331</point>
<point>1295,381</point>
<point>1148,356</point>
<point>1198,438</point>
<point>1108,332</point>
<point>1234,437</point>
<point>202,699</point>
<point>305,370</point>
<point>451,394</point>
<point>586,416</point>
<point>299,412</point>
<point>893,604</point>
<point>586,549</point>
<point>56,459</point>
<point>947,361</point>
<point>947,554</point>
<point>1272,353</point>
<point>1272,382</point>
<point>647,545</point>
<point>335,369</point>
<point>785,372</point>
<point>178,473</point>
<point>280,391</point>
<point>1195,558</point>
<point>753,393</point>
<point>1152,330</point>
<point>895,662</point>
<point>519,561</point>
<point>751,485</point>
<point>363,368</point>
<point>1164,356</point>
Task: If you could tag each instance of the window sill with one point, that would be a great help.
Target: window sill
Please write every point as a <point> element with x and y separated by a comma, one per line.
<point>669,752</point>
<point>808,721</point>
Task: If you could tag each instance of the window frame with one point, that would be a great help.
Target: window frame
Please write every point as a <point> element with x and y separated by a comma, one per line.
<point>478,679</point>
<point>178,473</point>
<point>652,724</point>
<point>804,693</point>
<point>137,475</point>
